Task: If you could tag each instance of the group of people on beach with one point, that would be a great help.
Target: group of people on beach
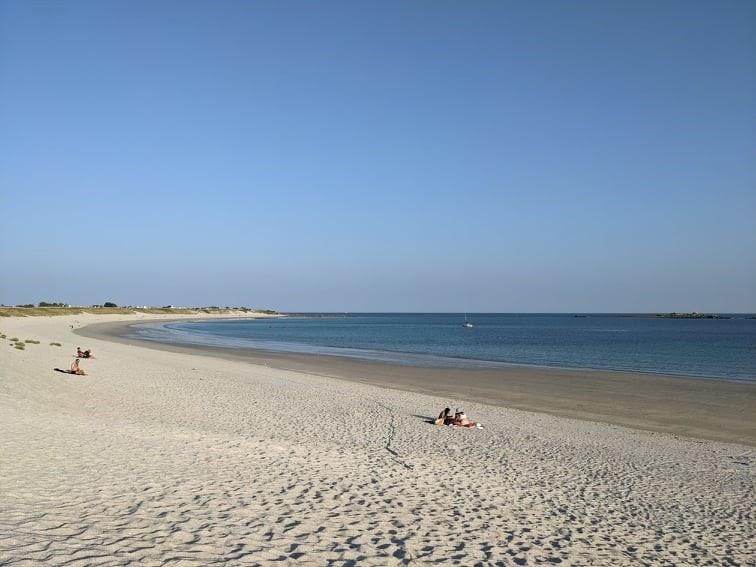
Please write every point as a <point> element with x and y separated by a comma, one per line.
<point>459,419</point>
<point>75,368</point>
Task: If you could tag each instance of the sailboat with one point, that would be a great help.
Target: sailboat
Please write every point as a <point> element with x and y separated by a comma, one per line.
<point>467,323</point>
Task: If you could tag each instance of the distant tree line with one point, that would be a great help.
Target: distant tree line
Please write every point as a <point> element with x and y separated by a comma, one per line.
<point>41,304</point>
<point>60,304</point>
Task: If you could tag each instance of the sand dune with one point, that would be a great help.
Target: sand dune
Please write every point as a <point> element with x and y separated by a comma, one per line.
<point>165,458</point>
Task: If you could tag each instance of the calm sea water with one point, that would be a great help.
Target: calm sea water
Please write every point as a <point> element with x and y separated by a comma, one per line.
<point>723,349</point>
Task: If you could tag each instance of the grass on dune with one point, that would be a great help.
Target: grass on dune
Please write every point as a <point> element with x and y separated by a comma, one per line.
<point>57,311</point>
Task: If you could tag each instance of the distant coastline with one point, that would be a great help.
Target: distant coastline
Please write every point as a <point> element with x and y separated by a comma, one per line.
<point>44,309</point>
<point>692,315</point>
<point>675,315</point>
<point>58,310</point>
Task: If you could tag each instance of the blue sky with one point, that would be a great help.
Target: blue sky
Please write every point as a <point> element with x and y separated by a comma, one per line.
<point>387,156</point>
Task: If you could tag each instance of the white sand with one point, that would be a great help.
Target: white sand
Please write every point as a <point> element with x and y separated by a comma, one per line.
<point>164,458</point>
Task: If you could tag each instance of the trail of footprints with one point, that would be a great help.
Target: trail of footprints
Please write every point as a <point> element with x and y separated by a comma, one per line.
<point>177,481</point>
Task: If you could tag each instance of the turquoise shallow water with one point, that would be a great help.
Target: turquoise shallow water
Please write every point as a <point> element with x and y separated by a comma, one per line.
<point>724,349</point>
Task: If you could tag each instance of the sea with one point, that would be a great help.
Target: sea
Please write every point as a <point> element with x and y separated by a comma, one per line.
<point>722,349</point>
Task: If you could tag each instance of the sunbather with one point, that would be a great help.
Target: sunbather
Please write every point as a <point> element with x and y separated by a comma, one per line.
<point>460,420</point>
<point>444,418</point>
<point>84,353</point>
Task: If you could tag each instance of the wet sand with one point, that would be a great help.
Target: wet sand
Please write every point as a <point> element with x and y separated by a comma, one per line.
<point>701,408</point>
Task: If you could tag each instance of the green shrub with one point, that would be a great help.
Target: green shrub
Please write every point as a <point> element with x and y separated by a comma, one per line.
<point>14,340</point>
<point>55,344</point>
<point>20,346</point>
<point>31,342</point>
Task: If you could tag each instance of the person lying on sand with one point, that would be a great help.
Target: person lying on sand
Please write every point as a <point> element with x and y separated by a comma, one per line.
<point>75,368</point>
<point>460,420</point>
<point>84,353</point>
<point>444,418</point>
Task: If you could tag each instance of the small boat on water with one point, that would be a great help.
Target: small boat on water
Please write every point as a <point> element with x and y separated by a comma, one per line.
<point>467,323</point>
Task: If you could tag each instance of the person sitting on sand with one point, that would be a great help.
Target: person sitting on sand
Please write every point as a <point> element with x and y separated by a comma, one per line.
<point>444,418</point>
<point>75,368</point>
<point>460,420</point>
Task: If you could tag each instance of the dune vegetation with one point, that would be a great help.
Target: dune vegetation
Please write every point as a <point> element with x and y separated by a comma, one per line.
<point>47,311</point>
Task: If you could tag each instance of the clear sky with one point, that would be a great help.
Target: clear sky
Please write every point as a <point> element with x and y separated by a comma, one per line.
<point>387,156</point>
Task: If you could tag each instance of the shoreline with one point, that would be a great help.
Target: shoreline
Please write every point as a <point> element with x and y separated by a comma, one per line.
<point>460,364</point>
<point>712,409</point>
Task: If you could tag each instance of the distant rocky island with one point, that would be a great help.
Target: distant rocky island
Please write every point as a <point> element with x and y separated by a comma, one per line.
<point>693,315</point>
<point>672,315</point>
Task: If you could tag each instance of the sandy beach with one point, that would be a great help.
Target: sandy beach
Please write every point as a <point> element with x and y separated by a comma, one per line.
<point>707,409</point>
<point>166,456</point>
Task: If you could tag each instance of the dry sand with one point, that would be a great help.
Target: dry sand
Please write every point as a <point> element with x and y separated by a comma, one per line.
<point>161,457</point>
